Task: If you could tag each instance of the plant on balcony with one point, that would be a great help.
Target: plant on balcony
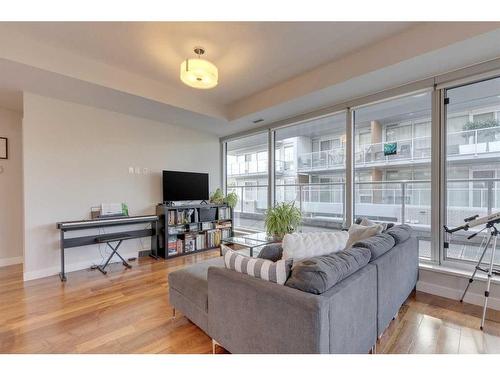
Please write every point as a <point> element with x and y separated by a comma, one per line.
<point>482,124</point>
<point>282,219</point>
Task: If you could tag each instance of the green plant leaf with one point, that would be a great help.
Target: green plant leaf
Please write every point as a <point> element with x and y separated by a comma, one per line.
<point>282,219</point>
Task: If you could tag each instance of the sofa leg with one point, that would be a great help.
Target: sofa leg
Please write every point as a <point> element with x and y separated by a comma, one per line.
<point>374,349</point>
<point>173,313</point>
<point>215,344</point>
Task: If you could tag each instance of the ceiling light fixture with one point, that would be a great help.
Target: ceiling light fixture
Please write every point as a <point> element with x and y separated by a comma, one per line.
<point>199,73</point>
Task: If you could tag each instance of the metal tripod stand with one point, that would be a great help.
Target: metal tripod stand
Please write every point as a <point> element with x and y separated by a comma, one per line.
<point>490,271</point>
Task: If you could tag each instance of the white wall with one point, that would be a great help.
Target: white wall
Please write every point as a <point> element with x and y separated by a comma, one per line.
<point>452,283</point>
<point>76,157</point>
<point>11,249</point>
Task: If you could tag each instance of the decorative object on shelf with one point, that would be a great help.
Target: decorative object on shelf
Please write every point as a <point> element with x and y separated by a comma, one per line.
<point>217,197</point>
<point>282,219</point>
<point>199,73</point>
<point>231,199</point>
<point>124,209</point>
<point>4,148</point>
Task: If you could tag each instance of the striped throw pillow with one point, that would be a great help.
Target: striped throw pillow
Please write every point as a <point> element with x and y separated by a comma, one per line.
<point>276,272</point>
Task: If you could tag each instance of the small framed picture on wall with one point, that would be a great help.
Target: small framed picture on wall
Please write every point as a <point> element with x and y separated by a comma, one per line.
<point>4,148</point>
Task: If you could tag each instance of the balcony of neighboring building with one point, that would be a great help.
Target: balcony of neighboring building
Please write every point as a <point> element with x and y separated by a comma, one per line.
<point>259,168</point>
<point>480,144</point>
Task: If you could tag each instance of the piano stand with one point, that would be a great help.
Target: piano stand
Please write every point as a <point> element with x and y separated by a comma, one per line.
<point>109,238</point>
<point>108,241</point>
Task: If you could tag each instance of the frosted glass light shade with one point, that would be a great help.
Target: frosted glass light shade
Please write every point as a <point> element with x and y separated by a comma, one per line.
<point>199,73</point>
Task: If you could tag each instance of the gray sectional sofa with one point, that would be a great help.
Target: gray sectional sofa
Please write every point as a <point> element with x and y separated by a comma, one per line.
<point>248,315</point>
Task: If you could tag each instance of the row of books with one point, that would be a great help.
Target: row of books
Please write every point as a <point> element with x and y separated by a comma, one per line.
<point>197,241</point>
<point>195,227</point>
<point>179,246</point>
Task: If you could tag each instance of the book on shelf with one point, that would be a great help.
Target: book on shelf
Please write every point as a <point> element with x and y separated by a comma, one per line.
<point>176,230</point>
<point>224,213</point>
<point>171,217</point>
<point>206,225</point>
<point>189,243</point>
<point>172,247</point>
<point>180,246</point>
<point>223,225</point>
<point>214,238</point>
<point>226,233</point>
<point>201,242</point>
<point>193,227</point>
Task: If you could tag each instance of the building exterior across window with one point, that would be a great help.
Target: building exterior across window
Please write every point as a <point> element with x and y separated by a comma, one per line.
<point>391,164</point>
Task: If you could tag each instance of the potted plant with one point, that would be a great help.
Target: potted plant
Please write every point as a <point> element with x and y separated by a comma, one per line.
<point>218,198</point>
<point>282,219</point>
<point>231,199</point>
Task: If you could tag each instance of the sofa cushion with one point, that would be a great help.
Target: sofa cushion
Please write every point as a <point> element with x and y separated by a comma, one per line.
<point>378,244</point>
<point>276,272</point>
<point>317,275</point>
<point>191,282</point>
<point>272,252</point>
<point>359,232</point>
<point>299,246</point>
<point>400,233</point>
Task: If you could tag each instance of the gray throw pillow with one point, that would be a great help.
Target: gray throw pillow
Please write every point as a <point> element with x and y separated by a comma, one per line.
<point>271,252</point>
<point>400,233</point>
<point>318,274</point>
<point>378,244</point>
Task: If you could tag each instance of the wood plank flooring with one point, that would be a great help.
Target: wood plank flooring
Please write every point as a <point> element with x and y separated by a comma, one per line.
<point>127,311</point>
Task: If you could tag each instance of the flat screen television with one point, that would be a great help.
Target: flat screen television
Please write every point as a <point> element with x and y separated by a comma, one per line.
<point>184,186</point>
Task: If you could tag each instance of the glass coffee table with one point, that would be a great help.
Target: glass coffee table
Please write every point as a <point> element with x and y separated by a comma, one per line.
<point>252,241</point>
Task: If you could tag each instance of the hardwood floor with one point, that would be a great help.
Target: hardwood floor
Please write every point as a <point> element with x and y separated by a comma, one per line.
<point>127,311</point>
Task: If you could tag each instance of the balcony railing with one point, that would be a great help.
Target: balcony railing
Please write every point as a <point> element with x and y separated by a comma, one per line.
<point>470,142</point>
<point>390,201</point>
<point>257,167</point>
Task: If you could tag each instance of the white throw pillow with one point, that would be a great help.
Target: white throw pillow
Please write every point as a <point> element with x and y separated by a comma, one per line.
<point>368,223</point>
<point>298,246</point>
<point>360,232</point>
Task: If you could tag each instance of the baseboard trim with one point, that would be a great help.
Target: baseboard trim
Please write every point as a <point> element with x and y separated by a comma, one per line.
<point>442,291</point>
<point>4,262</point>
<point>71,267</point>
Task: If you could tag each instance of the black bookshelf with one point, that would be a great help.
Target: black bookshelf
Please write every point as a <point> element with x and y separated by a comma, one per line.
<point>193,228</point>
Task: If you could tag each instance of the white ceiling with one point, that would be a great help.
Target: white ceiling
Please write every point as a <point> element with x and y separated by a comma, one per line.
<point>268,70</point>
<point>250,56</point>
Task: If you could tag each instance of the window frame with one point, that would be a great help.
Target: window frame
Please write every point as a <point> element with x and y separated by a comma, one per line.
<point>438,86</point>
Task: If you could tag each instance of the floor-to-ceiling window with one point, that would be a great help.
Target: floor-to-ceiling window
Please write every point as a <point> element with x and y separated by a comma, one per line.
<point>247,176</point>
<point>472,162</point>
<point>391,160</point>
<point>392,164</point>
<point>310,170</point>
